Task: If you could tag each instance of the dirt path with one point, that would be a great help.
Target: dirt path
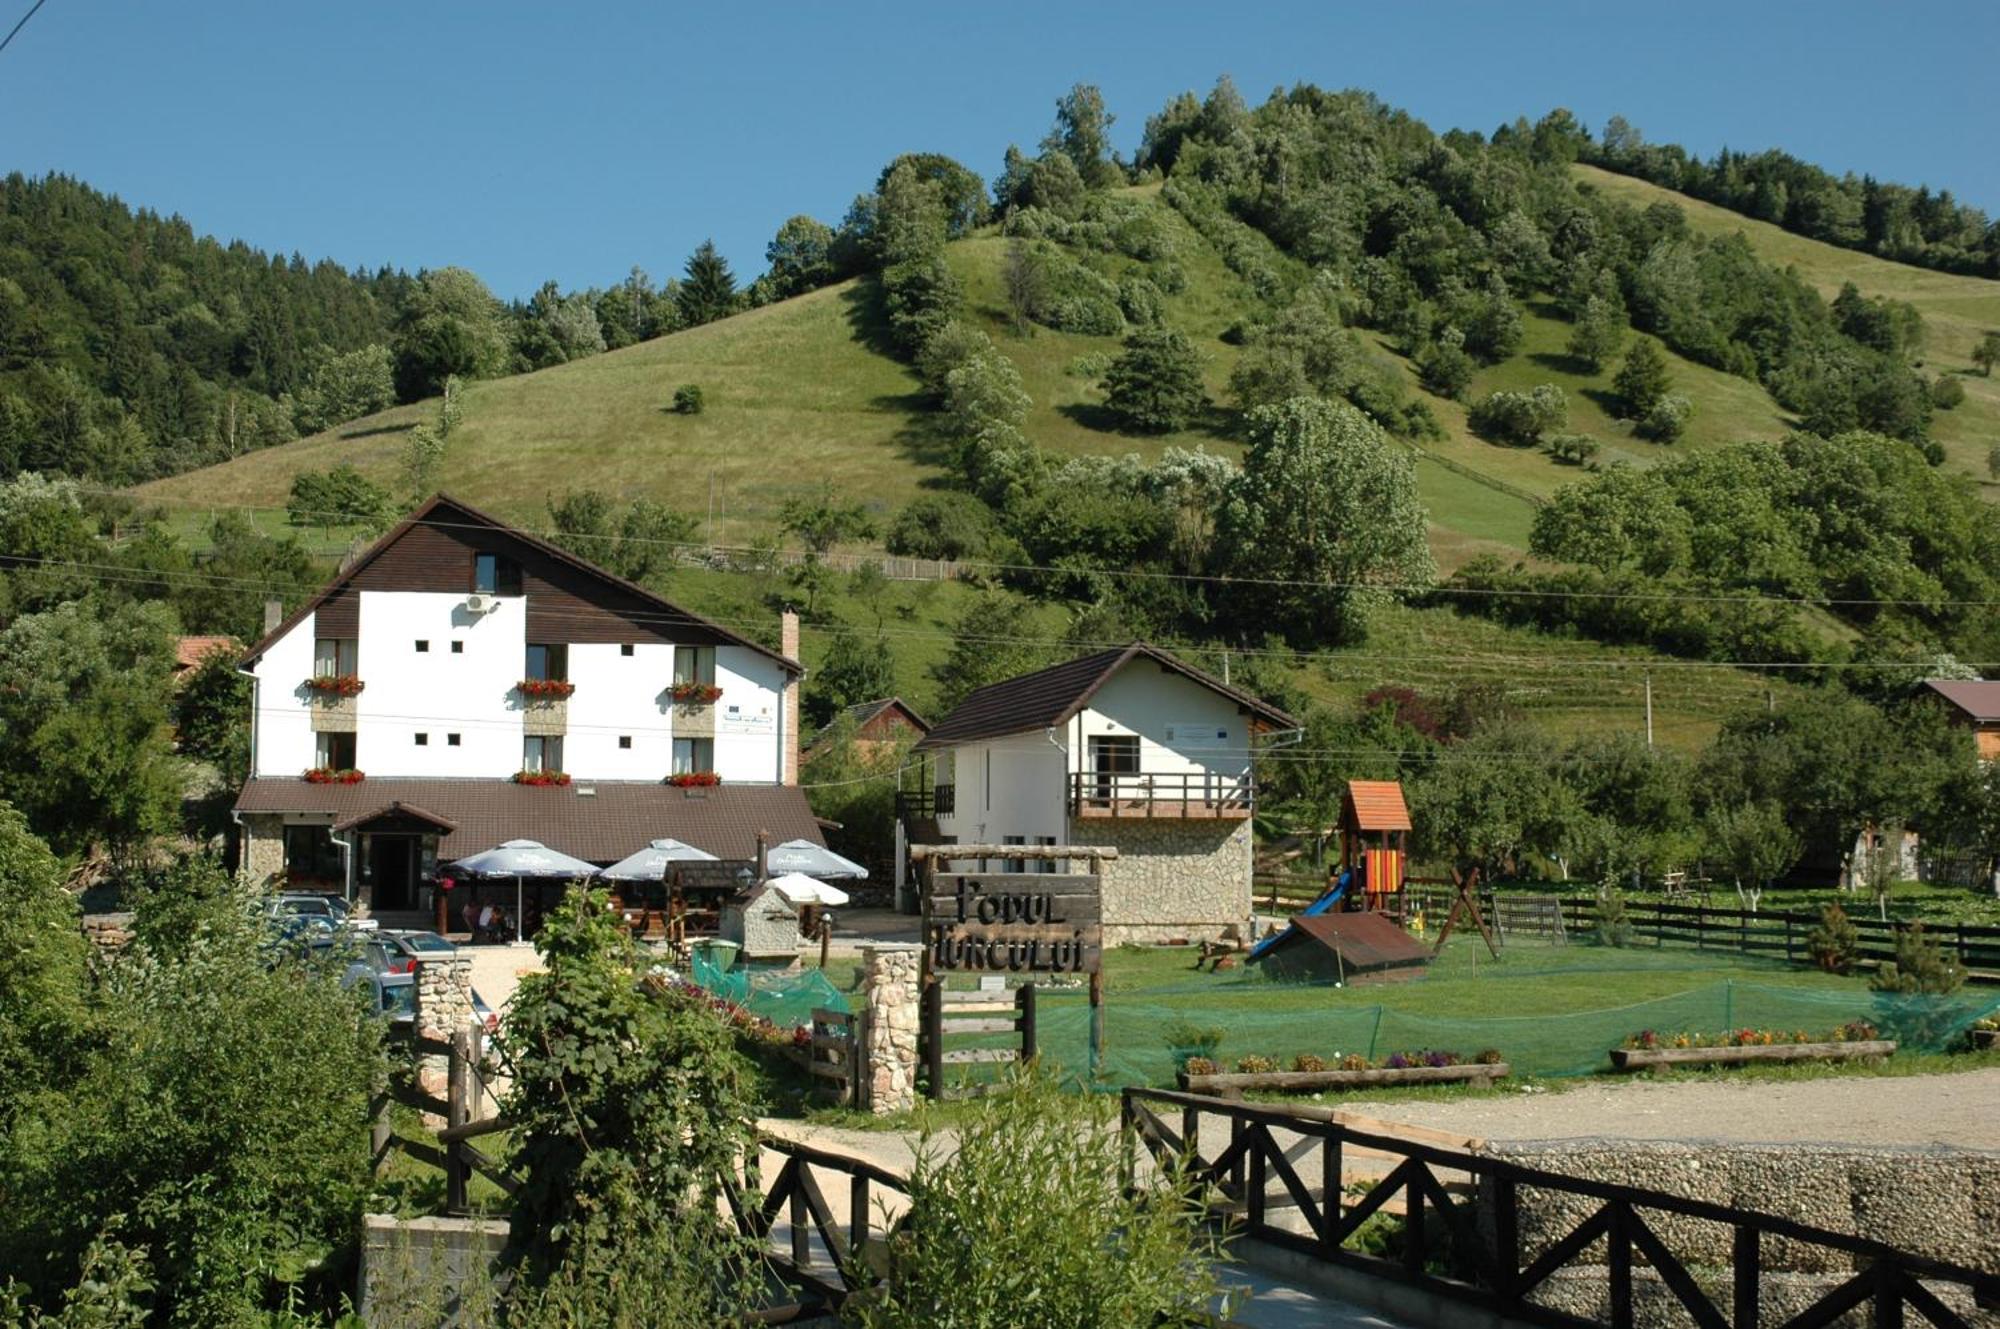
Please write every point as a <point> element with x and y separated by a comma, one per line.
<point>1961,1110</point>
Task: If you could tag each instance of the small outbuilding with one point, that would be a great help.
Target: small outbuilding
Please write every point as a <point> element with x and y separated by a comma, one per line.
<point>764,923</point>
<point>1375,838</point>
<point>1345,948</point>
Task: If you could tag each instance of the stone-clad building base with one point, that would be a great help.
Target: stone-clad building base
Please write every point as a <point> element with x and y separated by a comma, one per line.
<point>1173,878</point>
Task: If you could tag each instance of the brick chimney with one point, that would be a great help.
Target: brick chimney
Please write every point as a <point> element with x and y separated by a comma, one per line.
<point>788,717</point>
<point>274,614</point>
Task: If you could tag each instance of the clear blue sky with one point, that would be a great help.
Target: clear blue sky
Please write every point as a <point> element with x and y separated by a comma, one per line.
<point>571,140</point>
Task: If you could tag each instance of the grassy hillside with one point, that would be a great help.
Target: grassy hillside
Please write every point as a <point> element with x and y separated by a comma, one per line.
<point>1956,310</point>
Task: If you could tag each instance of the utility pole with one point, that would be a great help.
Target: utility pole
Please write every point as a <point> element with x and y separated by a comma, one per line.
<point>1649,708</point>
<point>711,512</point>
<point>1225,668</point>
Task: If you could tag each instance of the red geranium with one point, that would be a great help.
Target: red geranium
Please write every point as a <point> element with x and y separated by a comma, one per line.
<point>327,775</point>
<point>541,777</point>
<point>545,687</point>
<point>691,693</point>
<point>335,685</point>
<point>694,779</point>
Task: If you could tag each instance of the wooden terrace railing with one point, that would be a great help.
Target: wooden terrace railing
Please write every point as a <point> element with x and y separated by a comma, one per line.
<point>1479,1256</point>
<point>1165,794</point>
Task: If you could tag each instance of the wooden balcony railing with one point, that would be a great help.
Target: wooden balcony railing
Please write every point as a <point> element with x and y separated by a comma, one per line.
<point>926,804</point>
<point>1160,794</point>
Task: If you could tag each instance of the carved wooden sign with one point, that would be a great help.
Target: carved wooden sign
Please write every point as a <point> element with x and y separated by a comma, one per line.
<point>1019,922</point>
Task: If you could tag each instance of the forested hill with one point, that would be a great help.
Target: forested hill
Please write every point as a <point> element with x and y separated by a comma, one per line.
<point>131,347</point>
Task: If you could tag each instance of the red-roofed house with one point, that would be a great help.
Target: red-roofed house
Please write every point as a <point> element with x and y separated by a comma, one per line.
<point>1974,703</point>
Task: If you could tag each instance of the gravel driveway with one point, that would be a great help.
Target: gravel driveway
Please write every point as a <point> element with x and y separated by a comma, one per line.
<point>1961,1110</point>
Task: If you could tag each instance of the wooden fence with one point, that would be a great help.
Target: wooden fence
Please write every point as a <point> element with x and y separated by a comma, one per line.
<point>947,1015</point>
<point>468,1073</point>
<point>1461,1232</point>
<point>832,1054</point>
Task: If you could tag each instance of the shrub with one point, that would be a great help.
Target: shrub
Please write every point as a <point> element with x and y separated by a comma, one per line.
<point>1201,1066</point>
<point>1947,393</point>
<point>1084,315</point>
<point>1255,1065</point>
<point>1155,385</point>
<point>1444,368</point>
<point>1489,1057</point>
<point>1141,302</point>
<point>1835,944</point>
<point>1306,1063</point>
<point>1573,449</point>
<point>943,525</point>
<point>1921,965</point>
<point>1521,418</point>
<point>1354,1061</point>
<point>688,399</point>
<point>1038,1188</point>
<point>1667,420</point>
<point>1609,924</point>
<point>1191,1042</point>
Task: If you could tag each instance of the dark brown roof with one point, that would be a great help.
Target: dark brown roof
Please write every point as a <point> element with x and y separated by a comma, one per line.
<point>1050,697</point>
<point>1365,941</point>
<point>862,713</point>
<point>444,509</point>
<point>393,810</point>
<point>1377,805</point>
<point>619,818</point>
<point>1978,698</point>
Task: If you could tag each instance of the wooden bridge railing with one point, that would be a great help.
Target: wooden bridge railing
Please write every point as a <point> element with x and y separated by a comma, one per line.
<point>1472,1250</point>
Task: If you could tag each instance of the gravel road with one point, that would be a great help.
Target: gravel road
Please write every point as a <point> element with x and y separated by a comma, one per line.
<point>1961,1110</point>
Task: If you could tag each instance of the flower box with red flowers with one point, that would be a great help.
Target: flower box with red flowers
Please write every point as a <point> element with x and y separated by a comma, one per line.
<point>694,780</point>
<point>335,685</point>
<point>541,777</point>
<point>695,694</point>
<point>327,775</point>
<point>546,689</point>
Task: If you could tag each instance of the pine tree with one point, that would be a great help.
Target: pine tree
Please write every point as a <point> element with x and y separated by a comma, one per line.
<point>709,292</point>
<point>1156,386</point>
<point>1642,381</point>
<point>1598,333</point>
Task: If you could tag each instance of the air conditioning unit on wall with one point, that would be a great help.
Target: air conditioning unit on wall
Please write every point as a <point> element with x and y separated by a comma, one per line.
<point>482,604</point>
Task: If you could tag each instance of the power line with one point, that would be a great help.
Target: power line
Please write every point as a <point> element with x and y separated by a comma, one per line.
<point>33,9</point>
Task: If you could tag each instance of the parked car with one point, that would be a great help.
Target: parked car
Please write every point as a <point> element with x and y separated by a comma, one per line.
<point>391,996</point>
<point>317,904</point>
<point>398,951</point>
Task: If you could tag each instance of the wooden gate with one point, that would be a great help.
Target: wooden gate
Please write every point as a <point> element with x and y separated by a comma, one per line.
<point>982,1016</point>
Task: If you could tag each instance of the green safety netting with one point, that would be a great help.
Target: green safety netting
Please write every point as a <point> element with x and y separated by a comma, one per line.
<point>1280,1020</point>
<point>785,997</point>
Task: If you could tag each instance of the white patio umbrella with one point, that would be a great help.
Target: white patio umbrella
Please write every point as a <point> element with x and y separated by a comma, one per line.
<point>654,861</point>
<point>521,859</point>
<point>813,860</point>
<point>801,889</point>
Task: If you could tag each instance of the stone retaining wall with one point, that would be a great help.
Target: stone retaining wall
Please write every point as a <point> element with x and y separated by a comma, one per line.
<point>263,847</point>
<point>1936,1202</point>
<point>890,977</point>
<point>1173,878</point>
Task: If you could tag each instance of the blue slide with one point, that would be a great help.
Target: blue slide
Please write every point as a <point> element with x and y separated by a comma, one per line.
<point>1324,904</point>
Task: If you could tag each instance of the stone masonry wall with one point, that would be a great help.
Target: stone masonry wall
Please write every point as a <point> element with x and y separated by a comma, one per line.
<point>890,976</point>
<point>263,847</point>
<point>443,1007</point>
<point>1174,877</point>
<point>1936,1202</point>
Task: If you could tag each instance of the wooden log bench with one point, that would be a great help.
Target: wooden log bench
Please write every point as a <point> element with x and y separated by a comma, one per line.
<point>1639,1059</point>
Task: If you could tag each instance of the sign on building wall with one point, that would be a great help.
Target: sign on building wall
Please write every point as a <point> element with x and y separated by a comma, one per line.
<point>738,717</point>
<point>1018,922</point>
<point>1206,734</point>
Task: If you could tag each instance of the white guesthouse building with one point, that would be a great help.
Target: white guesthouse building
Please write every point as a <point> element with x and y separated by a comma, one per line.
<point>403,715</point>
<point>1128,747</point>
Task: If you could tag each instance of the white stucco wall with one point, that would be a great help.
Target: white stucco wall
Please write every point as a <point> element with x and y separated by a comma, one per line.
<point>749,724</point>
<point>618,694</point>
<point>1182,727</point>
<point>435,691</point>
<point>1009,786</point>
<point>284,734</point>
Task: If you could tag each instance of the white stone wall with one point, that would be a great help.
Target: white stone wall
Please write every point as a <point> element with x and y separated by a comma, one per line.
<point>890,978</point>
<point>618,694</point>
<point>283,743</point>
<point>1173,878</point>
<point>437,692</point>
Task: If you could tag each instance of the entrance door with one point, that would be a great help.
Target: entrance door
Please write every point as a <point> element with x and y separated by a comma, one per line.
<point>1113,761</point>
<point>392,863</point>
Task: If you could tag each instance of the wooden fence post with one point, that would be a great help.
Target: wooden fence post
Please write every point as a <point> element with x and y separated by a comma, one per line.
<point>931,1036</point>
<point>1024,997</point>
<point>458,1077</point>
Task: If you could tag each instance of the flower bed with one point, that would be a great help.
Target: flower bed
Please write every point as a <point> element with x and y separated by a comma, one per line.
<point>327,775</point>
<point>1649,1048</point>
<point>694,780</point>
<point>546,688</point>
<point>1308,1072</point>
<point>335,685</point>
<point>541,777</point>
<point>693,694</point>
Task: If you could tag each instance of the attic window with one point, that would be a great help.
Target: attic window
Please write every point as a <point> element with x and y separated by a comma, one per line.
<point>494,575</point>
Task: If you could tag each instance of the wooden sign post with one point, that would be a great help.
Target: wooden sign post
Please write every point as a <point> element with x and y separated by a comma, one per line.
<point>1017,922</point>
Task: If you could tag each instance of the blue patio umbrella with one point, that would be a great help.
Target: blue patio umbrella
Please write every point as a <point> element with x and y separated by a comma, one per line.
<point>655,861</point>
<point>813,860</point>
